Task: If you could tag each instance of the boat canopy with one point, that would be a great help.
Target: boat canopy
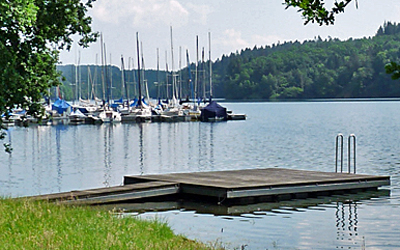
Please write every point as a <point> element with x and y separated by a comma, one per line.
<point>77,113</point>
<point>212,112</point>
<point>60,105</point>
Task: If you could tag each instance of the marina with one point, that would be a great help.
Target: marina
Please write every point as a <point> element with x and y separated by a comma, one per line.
<point>236,186</point>
<point>79,115</point>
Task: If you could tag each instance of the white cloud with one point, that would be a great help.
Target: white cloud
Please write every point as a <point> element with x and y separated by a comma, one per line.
<point>200,12</point>
<point>149,13</point>
<point>232,40</point>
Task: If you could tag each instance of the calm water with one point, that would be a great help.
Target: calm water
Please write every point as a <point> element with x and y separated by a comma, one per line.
<point>57,158</point>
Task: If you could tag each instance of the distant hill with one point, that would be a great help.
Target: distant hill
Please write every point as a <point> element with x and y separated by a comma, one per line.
<point>293,70</point>
<point>313,69</point>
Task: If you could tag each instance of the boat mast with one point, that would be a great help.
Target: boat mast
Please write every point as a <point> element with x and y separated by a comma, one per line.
<point>102,67</point>
<point>209,58</point>
<point>76,79</point>
<point>190,75</point>
<point>106,73</point>
<point>134,73</point>
<point>166,74</point>
<point>144,79</point>
<point>204,75</point>
<point>88,82</point>
<point>95,79</point>
<point>173,74</point>
<point>180,74</point>
<point>124,82</point>
<point>158,75</point>
<point>138,59</point>
<point>111,79</point>
<point>79,77</point>
<point>197,67</point>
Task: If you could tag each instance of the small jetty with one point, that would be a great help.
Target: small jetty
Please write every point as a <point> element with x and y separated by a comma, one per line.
<point>228,187</point>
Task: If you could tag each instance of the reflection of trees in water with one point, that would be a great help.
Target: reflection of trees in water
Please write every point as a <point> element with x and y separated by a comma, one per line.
<point>347,225</point>
<point>10,164</point>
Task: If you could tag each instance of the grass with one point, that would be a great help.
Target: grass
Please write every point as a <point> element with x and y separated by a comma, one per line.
<point>26,224</point>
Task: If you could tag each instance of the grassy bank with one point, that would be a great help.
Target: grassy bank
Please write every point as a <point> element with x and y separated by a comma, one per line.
<point>26,224</point>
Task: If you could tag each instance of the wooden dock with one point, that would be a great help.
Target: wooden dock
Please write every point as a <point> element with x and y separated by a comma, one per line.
<point>264,182</point>
<point>249,185</point>
<point>123,193</point>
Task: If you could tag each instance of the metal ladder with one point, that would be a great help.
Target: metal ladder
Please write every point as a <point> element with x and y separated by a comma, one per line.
<point>339,149</point>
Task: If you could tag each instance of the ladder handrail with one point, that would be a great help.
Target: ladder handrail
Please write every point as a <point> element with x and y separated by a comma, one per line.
<point>352,136</point>
<point>339,140</point>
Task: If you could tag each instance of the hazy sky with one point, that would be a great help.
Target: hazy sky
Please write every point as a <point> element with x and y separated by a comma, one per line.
<point>234,25</point>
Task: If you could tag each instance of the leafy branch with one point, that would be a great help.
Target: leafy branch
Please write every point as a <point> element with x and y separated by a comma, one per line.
<point>315,10</point>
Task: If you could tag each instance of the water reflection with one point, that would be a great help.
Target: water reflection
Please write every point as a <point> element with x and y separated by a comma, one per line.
<point>313,223</point>
<point>141,148</point>
<point>345,206</point>
<point>347,224</point>
<point>62,157</point>
<point>159,147</point>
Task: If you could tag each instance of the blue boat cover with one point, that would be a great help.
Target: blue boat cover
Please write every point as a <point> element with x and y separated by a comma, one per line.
<point>60,105</point>
<point>212,112</point>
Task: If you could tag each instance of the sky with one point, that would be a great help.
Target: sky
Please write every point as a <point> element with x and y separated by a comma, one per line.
<point>232,24</point>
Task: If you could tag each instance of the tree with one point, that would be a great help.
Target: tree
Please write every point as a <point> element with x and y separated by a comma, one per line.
<point>394,69</point>
<point>31,34</point>
<point>315,11</point>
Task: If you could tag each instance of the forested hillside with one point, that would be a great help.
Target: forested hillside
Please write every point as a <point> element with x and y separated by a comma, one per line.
<point>293,70</point>
<point>314,69</point>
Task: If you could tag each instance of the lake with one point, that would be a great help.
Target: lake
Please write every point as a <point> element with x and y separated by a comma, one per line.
<point>296,135</point>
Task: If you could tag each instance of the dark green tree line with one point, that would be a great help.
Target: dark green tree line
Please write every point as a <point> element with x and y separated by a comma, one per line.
<point>315,69</point>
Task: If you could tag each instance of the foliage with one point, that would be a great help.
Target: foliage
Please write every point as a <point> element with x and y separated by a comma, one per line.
<point>31,33</point>
<point>27,224</point>
<point>315,69</point>
<point>315,11</point>
<point>394,69</point>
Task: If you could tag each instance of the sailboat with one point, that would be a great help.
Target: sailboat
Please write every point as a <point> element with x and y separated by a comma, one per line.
<point>173,111</point>
<point>77,117</point>
<point>141,112</point>
<point>192,111</point>
<point>108,115</point>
